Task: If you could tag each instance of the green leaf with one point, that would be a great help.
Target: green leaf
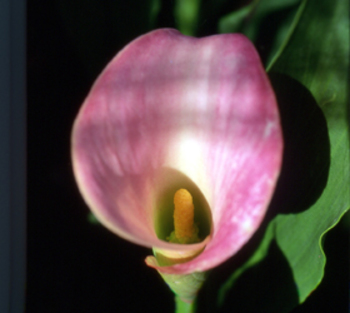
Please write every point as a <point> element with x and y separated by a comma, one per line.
<point>318,57</point>
<point>310,76</point>
<point>266,22</point>
<point>234,21</point>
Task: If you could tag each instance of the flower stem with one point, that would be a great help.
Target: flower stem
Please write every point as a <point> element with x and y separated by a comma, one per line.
<point>186,15</point>
<point>184,307</point>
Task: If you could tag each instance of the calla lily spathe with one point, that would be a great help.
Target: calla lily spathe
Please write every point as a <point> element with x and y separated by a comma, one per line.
<point>171,108</point>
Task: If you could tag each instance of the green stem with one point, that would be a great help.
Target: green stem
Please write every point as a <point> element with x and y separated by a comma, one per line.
<point>184,307</point>
<point>186,16</point>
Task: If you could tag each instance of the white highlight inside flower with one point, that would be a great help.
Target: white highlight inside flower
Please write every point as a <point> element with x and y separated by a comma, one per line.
<point>186,155</point>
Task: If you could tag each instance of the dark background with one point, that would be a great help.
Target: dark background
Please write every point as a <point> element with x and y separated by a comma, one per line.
<point>74,265</point>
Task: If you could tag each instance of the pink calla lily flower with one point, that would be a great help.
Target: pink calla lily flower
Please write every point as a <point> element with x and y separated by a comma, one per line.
<point>172,111</point>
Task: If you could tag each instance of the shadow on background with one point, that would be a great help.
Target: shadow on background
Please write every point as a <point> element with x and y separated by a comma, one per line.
<point>263,283</point>
<point>306,156</point>
<point>265,287</point>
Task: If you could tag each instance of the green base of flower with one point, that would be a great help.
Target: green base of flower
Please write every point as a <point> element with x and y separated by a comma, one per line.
<point>186,286</point>
<point>184,307</point>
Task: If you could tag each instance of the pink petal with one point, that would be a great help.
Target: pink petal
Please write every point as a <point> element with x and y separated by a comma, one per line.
<point>203,107</point>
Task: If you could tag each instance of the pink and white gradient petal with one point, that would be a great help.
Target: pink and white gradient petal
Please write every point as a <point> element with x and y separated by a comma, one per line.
<point>203,107</point>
